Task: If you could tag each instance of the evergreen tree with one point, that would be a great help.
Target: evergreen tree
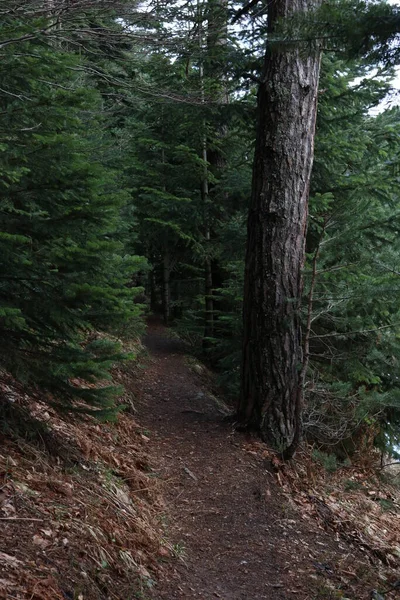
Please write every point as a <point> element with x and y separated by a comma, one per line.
<point>352,287</point>
<point>64,272</point>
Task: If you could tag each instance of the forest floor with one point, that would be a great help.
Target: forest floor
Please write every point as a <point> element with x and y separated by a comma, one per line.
<point>237,529</point>
<point>170,502</point>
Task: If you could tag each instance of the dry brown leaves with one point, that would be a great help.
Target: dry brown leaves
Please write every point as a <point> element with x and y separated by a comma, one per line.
<point>79,516</point>
<point>353,503</point>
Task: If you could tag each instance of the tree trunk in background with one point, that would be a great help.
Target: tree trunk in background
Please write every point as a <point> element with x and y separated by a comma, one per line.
<point>153,292</point>
<point>208,287</point>
<point>166,287</point>
<point>271,390</point>
<point>214,69</point>
<point>209,302</point>
<point>208,281</point>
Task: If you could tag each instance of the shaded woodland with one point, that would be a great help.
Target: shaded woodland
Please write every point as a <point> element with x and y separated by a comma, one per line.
<point>199,299</point>
<point>138,139</point>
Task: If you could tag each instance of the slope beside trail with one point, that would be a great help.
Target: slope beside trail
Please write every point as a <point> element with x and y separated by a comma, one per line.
<point>235,534</point>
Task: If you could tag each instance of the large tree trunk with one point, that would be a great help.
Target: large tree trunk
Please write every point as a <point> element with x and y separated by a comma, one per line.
<point>271,393</point>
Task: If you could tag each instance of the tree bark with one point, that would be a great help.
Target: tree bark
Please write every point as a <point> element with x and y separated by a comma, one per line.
<point>213,72</point>
<point>208,286</point>
<point>271,389</point>
<point>166,287</point>
<point>153,292</point>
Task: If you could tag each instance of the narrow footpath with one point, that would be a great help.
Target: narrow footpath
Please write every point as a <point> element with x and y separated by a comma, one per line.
<point>235,534</point>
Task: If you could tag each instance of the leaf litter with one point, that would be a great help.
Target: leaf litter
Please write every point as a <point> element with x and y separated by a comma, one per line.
<point>83,515</point>
<point>79,510</point>
<point>250,526</point>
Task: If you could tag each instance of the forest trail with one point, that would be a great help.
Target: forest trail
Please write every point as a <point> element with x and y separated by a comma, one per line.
<point>236,535</point>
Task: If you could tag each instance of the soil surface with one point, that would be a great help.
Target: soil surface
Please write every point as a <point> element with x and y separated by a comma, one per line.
<point>235,534</point>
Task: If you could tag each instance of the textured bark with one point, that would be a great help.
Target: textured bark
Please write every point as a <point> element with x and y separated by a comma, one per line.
<point>271,393</point>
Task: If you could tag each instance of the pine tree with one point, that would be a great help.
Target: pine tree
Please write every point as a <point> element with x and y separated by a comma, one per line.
<point>352,287</point>
<point>271,393</point>
<point>64,273</point>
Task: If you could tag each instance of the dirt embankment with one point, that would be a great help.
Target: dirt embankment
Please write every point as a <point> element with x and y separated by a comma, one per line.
<point>79,508</point>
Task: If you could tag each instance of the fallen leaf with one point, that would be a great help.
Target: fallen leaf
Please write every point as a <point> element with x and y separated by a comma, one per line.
<point>47,532</point>
<point>10,560</point>
<point>41,542</point>
<point>143,572</point>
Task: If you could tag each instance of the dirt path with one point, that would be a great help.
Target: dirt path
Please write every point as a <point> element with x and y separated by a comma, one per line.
<point>236,534</point>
